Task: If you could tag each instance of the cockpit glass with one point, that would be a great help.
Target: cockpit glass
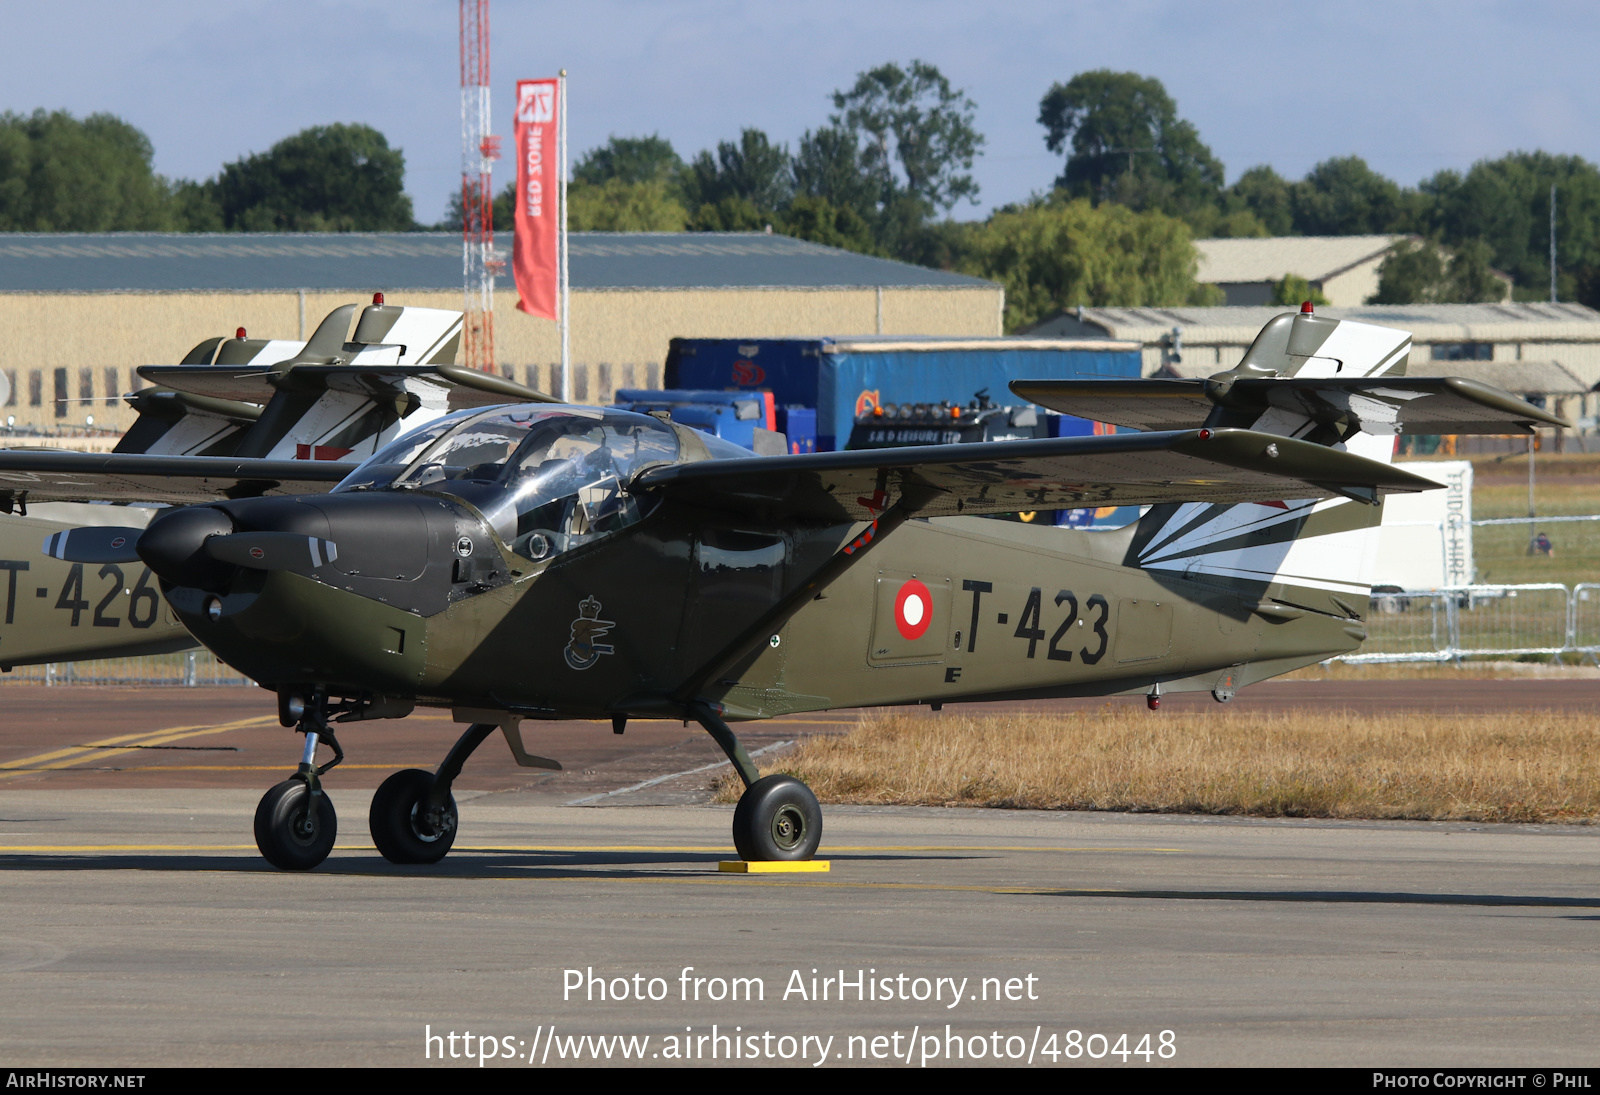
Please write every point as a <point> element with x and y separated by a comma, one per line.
<point>546,480</point>
<point>381,468</point>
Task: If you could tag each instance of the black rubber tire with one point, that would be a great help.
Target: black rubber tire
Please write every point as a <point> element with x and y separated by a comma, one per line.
<point>777,819</point>
<point>280,832</point>
<point>395,823</point>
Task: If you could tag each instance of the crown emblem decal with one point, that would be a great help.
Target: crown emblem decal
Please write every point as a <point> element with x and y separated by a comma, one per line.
<point>582,651</point>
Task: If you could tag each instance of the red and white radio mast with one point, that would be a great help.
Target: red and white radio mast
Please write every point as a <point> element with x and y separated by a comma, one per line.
<point>479,150</point>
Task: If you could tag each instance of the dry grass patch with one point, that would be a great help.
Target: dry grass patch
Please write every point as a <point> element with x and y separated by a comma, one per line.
<point>1524,766</point>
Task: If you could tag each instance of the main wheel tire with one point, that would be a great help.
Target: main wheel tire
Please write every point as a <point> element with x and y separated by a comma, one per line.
<point>777,818</point>
<point>400,826</point>
<point>289,838</point>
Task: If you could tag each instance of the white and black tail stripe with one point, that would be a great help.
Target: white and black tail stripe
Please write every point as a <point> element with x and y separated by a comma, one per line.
<point>1329,545</point>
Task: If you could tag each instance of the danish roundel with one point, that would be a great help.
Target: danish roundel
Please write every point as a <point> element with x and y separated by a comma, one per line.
<point>913,610</point>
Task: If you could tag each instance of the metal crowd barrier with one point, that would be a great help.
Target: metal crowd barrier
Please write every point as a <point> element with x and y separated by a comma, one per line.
<point>191,669</point>
<point>1440,625</point>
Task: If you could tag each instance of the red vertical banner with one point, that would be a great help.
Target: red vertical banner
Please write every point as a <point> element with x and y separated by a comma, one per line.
<point>534,259</point>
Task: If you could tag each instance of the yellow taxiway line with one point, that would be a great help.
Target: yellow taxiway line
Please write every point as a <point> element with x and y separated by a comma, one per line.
<point>695,849</point>
<point>106,748</point>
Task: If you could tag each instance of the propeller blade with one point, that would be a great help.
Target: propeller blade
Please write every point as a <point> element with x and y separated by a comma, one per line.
<point>271,550</point>
<point>94,544</point>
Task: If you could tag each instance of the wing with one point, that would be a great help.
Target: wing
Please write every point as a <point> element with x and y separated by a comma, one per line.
<point>1379,405</point>
<point>1222,465</point>
<point>33,476</point>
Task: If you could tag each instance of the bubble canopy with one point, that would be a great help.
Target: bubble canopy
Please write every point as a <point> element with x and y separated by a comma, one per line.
<point>547,480</point>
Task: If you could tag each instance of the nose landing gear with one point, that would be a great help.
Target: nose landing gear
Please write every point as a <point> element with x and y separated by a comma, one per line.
<point>295,821</point>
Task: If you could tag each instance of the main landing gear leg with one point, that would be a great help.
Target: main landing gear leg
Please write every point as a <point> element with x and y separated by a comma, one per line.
<point>778,817</point>
<point>413,817</point>
<point>295,821</point>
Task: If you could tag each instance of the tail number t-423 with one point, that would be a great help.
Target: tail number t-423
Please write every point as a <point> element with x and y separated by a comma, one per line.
<point>1033,628</point>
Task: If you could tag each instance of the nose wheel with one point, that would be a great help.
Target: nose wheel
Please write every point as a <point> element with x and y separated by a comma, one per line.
<point>295,826</point>
<point>295,821</point>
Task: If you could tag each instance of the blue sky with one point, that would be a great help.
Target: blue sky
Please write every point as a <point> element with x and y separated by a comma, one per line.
<point>1411,86</point>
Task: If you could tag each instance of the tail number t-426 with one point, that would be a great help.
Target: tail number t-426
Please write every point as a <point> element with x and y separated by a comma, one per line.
<point>143,601</point>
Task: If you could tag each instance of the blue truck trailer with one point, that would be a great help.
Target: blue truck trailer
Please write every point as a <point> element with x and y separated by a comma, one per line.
<point>844,378</point>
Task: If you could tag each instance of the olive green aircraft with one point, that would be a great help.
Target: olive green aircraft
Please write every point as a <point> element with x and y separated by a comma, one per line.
<point>522,563</point>
<point>303,413</point>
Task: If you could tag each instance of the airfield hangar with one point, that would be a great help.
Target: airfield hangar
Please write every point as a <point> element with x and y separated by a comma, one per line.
<point>80,312</point>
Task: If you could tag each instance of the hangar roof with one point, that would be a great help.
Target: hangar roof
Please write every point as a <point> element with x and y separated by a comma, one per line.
<point>1520,377</point>
<point>258,262</point>
<point>1504,322</point>
<point>1311,257</point>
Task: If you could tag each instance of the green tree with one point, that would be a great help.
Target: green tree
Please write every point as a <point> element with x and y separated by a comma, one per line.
<point>1420,272</point>
<point>1293,290</point>
<point>731,214</point>
<point>820,221</point>
<point>918,133</point>
<point>59,174</point>
<point>1345,197</point>
<point>1057,253</point>
<point>1127,144</point>
<point>1266,194</point>
<point>618,205</point>
<point>829,165</point>
<point>194,208</point>
<point>1213,222</point>
<point>1506,204</point>
<point>631,160</point>
<point>753,170</point>
<point>334,178</point>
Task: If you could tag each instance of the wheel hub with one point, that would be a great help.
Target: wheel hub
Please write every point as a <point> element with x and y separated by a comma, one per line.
<point>304,828</point>
<point>430,823</point>
<point>788,827</point>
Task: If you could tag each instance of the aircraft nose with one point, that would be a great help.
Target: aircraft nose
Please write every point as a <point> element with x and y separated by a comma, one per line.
<point>173,547</point>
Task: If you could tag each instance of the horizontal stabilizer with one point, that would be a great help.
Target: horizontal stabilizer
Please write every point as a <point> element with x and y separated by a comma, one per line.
<point>31,476</point>
<point>1383,405</point>
<point>458,386</point>
<point>1221,465</point>
<point>246,384</point>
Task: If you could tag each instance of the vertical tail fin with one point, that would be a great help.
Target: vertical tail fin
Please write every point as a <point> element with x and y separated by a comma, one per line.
<point>1319,554</point>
